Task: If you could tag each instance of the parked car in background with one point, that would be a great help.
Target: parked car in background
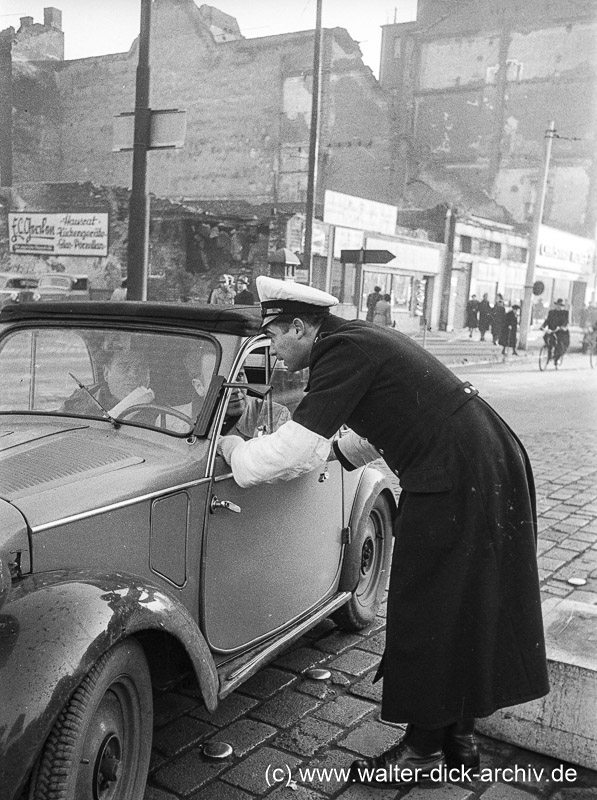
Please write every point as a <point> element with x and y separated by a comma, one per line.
<point>16,288</point>
<point>60,286</point>
<point>129,557</point>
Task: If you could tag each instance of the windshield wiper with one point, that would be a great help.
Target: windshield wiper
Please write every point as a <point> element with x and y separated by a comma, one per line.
<point>96,401</point>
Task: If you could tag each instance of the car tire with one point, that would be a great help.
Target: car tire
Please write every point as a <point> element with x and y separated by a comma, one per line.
<point>100,744</point>
<point>367,561</point>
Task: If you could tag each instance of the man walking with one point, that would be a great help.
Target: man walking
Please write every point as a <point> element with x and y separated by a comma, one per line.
<point>464,626</point>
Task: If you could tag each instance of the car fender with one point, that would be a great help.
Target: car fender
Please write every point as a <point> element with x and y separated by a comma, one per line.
<point>372,483</point>
<point>52,631</point>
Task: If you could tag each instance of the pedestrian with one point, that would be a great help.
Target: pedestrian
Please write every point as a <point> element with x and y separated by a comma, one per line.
<point>243,297</point>
<point>372,300</point>
<point>472,315</point>
<point>509,333</point>
<point>223,294</point>
<point>498,312</point>
<point>119,293</point>
<point>382,314</point>
<point>464,626</point>
<point>484,316</point>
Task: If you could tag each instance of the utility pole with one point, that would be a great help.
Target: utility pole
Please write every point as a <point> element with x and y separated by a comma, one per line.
<point>525,318</point>
<point>6,104</point>
<point>138,242</point>
<point>313,146</point>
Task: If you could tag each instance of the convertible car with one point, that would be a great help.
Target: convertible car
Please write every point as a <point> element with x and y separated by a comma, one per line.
<point>129,558</point>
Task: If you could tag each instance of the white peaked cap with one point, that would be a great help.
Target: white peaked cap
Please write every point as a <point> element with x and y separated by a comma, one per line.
<point>287,297</point>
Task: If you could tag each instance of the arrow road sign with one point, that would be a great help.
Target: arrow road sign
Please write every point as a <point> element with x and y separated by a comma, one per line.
<point>366,256</point>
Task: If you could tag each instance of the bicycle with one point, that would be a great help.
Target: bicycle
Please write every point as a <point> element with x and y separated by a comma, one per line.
<point>553,350</point>
<point>593,355</point>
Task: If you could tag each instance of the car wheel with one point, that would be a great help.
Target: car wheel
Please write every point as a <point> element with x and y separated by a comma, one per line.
<point>100,745</point>
<point>367,562</point>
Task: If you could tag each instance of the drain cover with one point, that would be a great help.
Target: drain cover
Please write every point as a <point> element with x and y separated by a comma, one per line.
<point>318,674</point>
<point>217,750</point>
<point>577,581</point>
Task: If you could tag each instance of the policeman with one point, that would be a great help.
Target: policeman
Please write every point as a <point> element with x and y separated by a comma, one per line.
<point>464,629</point>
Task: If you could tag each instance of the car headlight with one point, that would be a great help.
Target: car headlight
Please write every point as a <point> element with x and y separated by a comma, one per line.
<point>36,296</point>
<point>14,296</point>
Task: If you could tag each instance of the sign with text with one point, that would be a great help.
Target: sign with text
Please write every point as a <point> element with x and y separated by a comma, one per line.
<point>65,234</point>
<point>295,235</point>
<point>356,212</point>
<point>566,252</point>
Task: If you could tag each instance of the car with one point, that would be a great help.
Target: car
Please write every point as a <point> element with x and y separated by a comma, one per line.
<point>59,286</point>
<point>16,288</point>
<point>129,557</point>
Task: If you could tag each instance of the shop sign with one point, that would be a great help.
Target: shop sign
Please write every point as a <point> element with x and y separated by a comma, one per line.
<point>356,212</point>
<point>565,252</point>
<point>65,234</point>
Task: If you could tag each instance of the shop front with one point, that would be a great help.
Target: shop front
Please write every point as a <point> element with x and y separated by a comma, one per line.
<point>411,280</point>
<point>565,268</point>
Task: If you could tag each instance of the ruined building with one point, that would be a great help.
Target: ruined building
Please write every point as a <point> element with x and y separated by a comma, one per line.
<point>474,85</point>
<point>248,104</point>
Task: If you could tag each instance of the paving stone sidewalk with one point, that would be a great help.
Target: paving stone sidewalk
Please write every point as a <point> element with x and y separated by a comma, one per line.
<point>281,722</point>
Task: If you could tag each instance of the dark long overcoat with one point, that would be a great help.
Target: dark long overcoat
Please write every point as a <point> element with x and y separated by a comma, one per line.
<point>509,332</point>
<point>464,626</point>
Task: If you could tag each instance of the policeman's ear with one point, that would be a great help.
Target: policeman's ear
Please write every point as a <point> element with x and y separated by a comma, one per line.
<point>300,329</point>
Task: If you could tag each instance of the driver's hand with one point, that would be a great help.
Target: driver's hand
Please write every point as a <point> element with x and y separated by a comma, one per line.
<point>138,396</point>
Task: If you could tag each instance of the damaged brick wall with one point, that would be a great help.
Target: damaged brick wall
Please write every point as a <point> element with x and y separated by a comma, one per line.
<point>489,78</point>
<point>244,139</point>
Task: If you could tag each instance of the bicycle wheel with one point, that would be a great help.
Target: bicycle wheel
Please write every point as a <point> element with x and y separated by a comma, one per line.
<point>544,357</point>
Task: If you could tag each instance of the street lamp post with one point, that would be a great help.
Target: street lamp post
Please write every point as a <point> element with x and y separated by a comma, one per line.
<point>138,241</point>
<point>313,147</point>
<point>525,319</point>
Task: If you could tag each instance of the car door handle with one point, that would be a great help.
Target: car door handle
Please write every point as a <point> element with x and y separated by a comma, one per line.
<point>215,503</point>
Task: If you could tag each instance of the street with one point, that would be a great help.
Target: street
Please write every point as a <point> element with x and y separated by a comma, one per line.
<point>533,402</point>
<point>282,722</point>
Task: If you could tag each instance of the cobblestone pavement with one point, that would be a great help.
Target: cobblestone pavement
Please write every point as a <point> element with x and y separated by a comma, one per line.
<point>281,722</point>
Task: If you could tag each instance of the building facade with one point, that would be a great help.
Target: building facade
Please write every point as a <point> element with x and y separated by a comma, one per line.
<point>474,86</point>
<point>247,103</point>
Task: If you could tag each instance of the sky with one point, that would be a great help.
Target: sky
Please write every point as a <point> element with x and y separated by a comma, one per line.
<point>97,27</point>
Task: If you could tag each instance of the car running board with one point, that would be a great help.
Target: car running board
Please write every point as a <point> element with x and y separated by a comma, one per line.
<point>234,673</point>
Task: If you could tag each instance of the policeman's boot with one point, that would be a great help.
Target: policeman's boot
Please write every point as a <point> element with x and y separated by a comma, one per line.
<point>460,745</point>
<point>417,758</point>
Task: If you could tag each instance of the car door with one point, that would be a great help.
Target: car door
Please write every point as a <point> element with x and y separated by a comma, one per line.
<point>279,555</point>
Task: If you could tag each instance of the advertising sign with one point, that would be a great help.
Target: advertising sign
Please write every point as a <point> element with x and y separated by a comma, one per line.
<point>571,255</point>
<point>356,212</point>
<point>295,235</point>
<point>65,234</point>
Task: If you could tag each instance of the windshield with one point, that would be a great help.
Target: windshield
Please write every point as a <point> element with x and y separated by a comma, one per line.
<point>18,283</point>
<point>149,379</point>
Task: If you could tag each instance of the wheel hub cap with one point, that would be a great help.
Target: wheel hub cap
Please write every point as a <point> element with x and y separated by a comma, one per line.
<point>107,767</point>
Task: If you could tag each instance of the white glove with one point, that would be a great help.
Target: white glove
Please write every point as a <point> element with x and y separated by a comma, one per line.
<point>138,396</point>
<point>227,445</point>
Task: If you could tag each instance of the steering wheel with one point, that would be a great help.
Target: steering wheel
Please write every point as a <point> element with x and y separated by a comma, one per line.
<point>162,411</point>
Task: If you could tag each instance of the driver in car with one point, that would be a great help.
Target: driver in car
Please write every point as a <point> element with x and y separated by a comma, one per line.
<point>125,384</point>
<point>247,416</point>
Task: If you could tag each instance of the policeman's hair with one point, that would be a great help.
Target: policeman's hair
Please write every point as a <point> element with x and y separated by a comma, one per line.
<point>313,320</point>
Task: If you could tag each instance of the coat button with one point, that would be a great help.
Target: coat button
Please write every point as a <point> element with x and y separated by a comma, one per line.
<point>380,451</point>
<point>467,389</point>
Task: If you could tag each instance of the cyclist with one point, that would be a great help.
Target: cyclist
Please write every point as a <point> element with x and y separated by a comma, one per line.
<point>556,323</point>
